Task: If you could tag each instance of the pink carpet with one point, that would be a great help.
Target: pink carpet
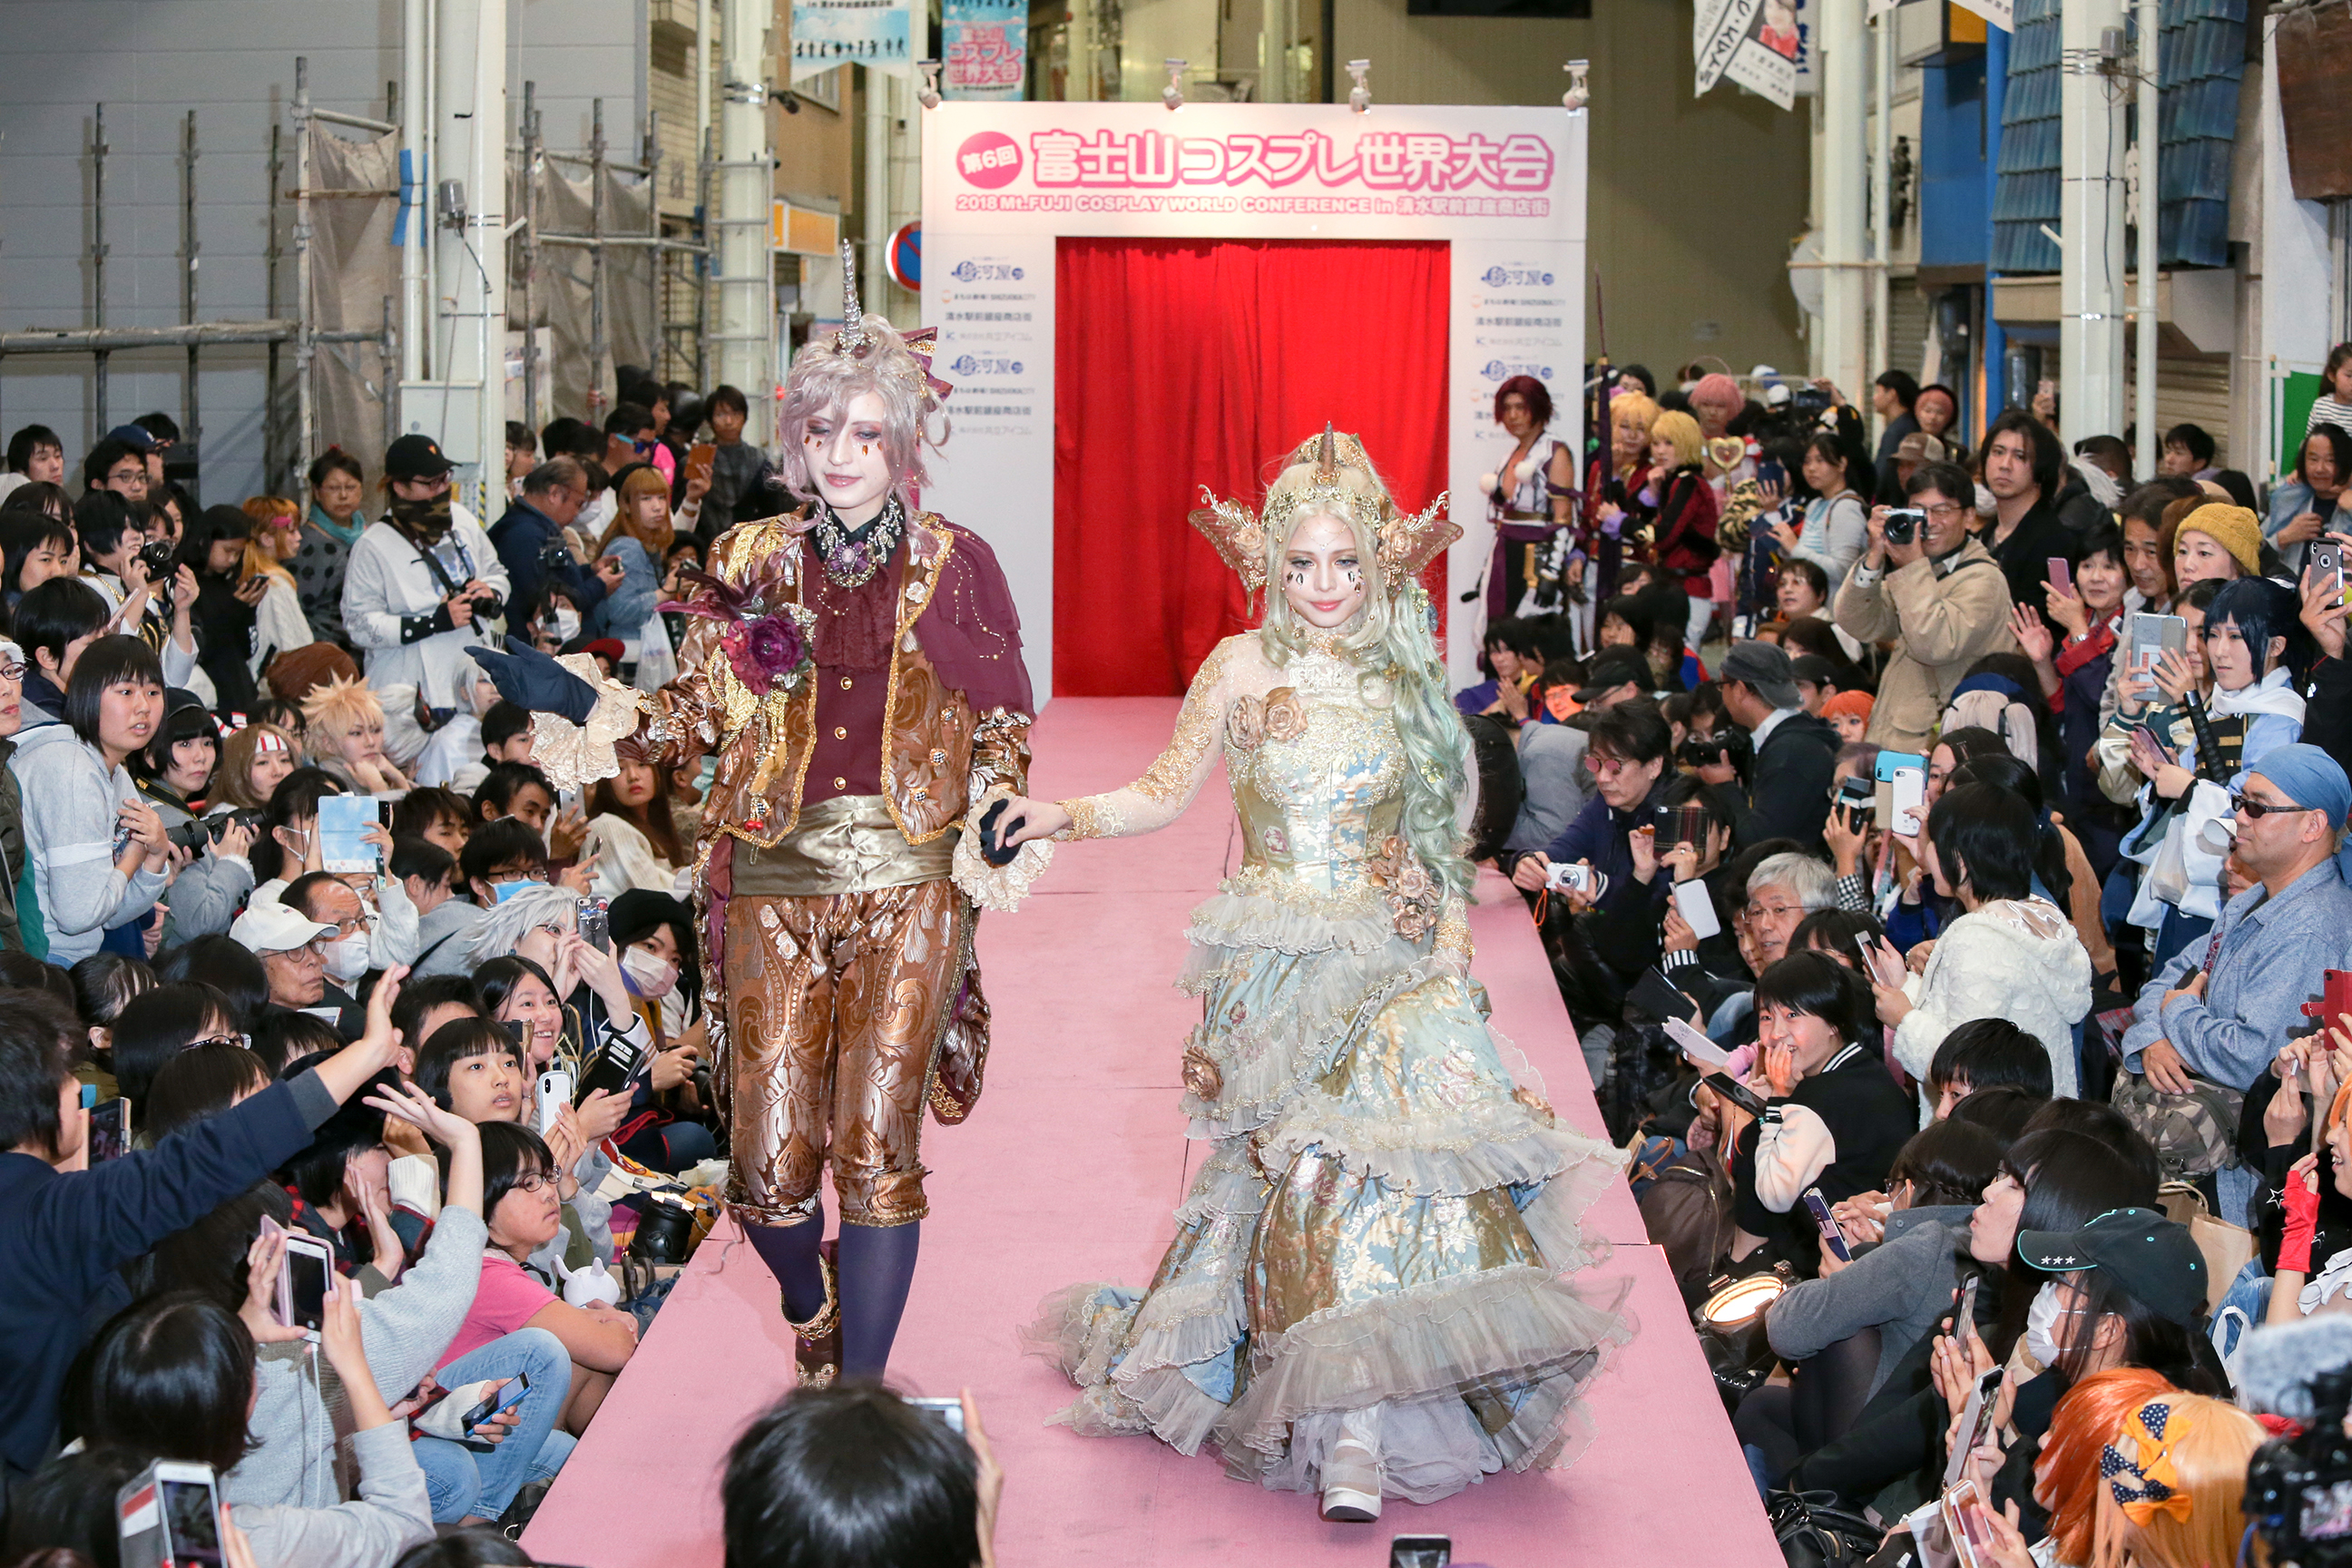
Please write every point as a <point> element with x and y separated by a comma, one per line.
<point>1067,1172</point>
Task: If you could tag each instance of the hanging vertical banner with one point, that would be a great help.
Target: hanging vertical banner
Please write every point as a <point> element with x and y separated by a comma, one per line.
<point>986,46</point>
<point>1754,44</point>
<point>1809,49</point>
<point>871,33</point>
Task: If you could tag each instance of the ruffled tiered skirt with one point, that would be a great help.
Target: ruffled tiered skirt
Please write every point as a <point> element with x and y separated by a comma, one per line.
<point>1388,1219</point>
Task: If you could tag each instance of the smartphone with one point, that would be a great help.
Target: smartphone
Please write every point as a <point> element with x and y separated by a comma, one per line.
<point>168,1515</point>
<point>1682,825</point>
<point>1976,1419</point>
<point>700,457</point>
<point>1738,1094</point>
<point>1883,782</point>
<point>554,1094</point>
<point>948,1413</point>
<point>1655,994</point>
<point>1697,1046</point>
<point>2153,635</point>
<point>595,924</point>
<point>1828,1225</point>
<point>1421,1551</point>
<point>508,1395</point>
<point>2060,574</point>
<point>110,1128</point>
<point>1697,907</point>
<point>1769,471</point>
<point>341,820</point>
<point>1964,1316</point>
<point>1964,1522</point>
<point>2327,563</point>
<point>303,1280</point>
<point>1906,801</point>
<point>615,1066</point>
<point>1862,938</point>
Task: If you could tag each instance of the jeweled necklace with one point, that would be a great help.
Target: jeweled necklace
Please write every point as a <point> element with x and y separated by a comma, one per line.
<point>852,555</point>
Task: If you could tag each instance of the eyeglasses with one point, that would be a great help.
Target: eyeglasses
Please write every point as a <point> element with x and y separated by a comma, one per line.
<point>1943,511</point>
<point>536,1182</point>
<point>245,1041</point>
<point>13,669</point>
<point>1777,912</point>
<point>2241,801</point>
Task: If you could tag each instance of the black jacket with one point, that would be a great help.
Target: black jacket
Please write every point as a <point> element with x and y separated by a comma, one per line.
<point>531,547</point>
<point>1789,798</point>
<point>63,1234</point>
<point>2024,556</point>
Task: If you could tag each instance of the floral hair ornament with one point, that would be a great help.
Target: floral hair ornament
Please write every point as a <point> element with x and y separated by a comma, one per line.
<point>1406,543</point>
<point>2147,1485</point>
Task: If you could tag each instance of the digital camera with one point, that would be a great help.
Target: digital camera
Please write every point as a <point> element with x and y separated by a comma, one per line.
<point>1903,523</point>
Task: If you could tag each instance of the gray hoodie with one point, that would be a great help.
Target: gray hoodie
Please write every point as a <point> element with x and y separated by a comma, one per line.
<point>393,1512</point>
<point>1901,1286</point>
<point>70,802</point>
<point>403,1330</point>
<point>206,896</point>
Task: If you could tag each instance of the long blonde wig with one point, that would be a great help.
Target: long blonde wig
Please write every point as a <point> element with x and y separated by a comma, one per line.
<point>1392,644</point>
<point>2208,1458</point>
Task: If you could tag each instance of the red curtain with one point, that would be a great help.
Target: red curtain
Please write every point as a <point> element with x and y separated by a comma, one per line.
<point>1185,363</point>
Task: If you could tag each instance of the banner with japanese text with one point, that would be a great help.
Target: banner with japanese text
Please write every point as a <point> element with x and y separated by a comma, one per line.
<point>985,48</point>
<point>1002,183</point>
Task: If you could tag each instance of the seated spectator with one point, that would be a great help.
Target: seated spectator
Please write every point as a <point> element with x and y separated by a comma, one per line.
<point>64,1231</point>
<point>1848,1330</point>
<point>427,875</point>
<point>343,722</point>
<point>2061,872</point>
<point>158,1024</point>
<point>1795,753</point>
<point>517,790</point>
<point>35,547</point>
<point>2010,956</point>
<point>2209,1024</point>
<point>1986,1052</point>
<point>436,814</point>
<point>1631,938</point>
<point>1802,589</point>
<point>1628,753</point>
<point>175,773</point>
<point>1833,1118</point>
<point>292,948</point>
<point>213,552</point>
<point>99,856</point>
<point>1817,637</point>
<point>523,1213</point>
<point>173,1378</point>
<point>854,1474</point>
<point>338,1184</point>
<point>506,736</point>
<point>65,1516</point>
<point>1504,657</point>
<point>451,756</point>
<point>103,984</point>
<point>53,624</point>
<point>253,762</point>
<point>631,838</point>
<point>1848,713</point>
<point>2073,678</point>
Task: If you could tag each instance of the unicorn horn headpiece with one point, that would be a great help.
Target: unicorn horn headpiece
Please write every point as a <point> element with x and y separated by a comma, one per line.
<point>852,336</point>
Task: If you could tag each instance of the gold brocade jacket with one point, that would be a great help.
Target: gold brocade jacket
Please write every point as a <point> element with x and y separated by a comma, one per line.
<point>939,754</point>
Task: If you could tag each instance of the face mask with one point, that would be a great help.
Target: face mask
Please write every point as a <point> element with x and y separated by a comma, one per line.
<point>501,892</point>
<point>428,519</point>
<point>2041,1326</point>
<point>347,959</point>
<point>567,622</point>
<point>655,976</point>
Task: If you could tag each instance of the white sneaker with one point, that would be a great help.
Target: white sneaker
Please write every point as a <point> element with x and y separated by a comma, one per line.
<point>1351,1483</point>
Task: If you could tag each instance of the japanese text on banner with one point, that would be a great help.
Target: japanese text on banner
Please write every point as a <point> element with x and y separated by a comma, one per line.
<point>986,46</point>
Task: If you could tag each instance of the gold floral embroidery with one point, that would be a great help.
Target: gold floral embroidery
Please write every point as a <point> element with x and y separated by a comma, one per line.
<point>1286,715</point>
<point>1246,725</point>
<point>1414,896</point>
<point>1090,818</point>
<point>1171,776</point>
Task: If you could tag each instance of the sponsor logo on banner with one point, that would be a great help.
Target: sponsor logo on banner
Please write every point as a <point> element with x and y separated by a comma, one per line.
<point>829,33</point>
<point>985,46</point>
<point>1503,369</point>
<point>1515,278</point>
<point>975,364</point>
<point>985,271</point>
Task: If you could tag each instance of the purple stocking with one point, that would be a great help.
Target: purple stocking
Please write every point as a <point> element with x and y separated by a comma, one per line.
<point>790,1251</point>
<point>877,1265</point>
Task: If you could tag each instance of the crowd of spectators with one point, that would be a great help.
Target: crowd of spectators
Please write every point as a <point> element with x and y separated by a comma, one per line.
<point>238,1022</point>
<point>1961,948</point>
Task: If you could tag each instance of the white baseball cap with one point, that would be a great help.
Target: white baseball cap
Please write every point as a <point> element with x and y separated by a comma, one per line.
<point>269,926</point>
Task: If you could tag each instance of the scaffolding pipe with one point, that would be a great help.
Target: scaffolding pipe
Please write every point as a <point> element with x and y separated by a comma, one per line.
<point>2145,434</point>
<point>599,352</point>
<point>746,293</point>
<point>652,238</point>
<point>388,368</point>
<point>415,134</point>
<point>469,138</point>
<point>702,267</point>
<point>97,260</point>
<point>876,199</point>
<point>532,158</point>
<point>210,334</point>
<point>272,458</point>
<point>1882,206</point>
<point>306,413</point>
<point>193,434</point>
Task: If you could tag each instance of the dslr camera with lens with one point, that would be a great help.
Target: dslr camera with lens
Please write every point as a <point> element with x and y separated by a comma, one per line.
<point>199,831</point>
<point>1903,523</point>
<point>1729,745</point>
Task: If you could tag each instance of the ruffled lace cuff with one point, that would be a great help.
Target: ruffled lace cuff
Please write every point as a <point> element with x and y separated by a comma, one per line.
<point>574,756</point>
<point>991,887</point>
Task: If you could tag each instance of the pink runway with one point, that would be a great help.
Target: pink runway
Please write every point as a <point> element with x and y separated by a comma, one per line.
<point>1067,1172</point>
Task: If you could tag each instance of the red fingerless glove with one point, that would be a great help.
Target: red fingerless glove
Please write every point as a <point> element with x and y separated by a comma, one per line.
<point>2302,1205</point>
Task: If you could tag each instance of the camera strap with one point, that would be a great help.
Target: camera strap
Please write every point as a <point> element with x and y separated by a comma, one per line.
<point>426,554</point>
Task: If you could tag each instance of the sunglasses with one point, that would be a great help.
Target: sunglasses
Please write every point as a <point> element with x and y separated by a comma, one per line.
<point>2241,801</point>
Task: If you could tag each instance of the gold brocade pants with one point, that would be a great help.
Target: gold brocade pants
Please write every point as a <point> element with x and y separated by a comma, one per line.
<point>835,1005</point>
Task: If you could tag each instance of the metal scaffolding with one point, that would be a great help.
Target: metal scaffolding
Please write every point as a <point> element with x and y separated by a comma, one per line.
<point>277,328</point>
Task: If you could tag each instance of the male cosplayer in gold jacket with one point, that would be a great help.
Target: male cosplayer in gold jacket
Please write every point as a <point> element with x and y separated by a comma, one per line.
<point>856,670</point>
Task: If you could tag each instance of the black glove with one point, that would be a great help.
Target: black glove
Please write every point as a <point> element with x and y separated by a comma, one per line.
<point>532,679</point>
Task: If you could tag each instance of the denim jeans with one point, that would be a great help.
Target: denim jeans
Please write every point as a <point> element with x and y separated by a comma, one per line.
<point>463,1483</point>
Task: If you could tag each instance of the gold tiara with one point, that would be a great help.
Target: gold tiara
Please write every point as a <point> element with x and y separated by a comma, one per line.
<point>1406,543</point>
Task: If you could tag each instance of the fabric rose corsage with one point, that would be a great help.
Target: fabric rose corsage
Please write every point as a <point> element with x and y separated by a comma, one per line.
<point>1246,725</point>
<point>1285,716</point>
<point>1415,898</point>
<point>766,642</point>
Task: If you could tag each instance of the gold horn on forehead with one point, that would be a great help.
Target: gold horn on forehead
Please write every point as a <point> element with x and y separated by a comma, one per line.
<point>1327,455</point>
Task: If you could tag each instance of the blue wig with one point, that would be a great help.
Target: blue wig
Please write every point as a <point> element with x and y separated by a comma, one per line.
<point>2262,610</point>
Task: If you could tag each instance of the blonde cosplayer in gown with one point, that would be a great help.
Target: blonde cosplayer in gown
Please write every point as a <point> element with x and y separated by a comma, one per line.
<point>1375,1246</point>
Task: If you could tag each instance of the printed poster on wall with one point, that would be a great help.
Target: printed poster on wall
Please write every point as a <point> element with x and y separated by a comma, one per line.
<point>986,48</point>
<point>1754,44</point>
<point>871,33</point>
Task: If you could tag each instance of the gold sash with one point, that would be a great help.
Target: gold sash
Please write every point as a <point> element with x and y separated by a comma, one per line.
<point>846,845</point>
